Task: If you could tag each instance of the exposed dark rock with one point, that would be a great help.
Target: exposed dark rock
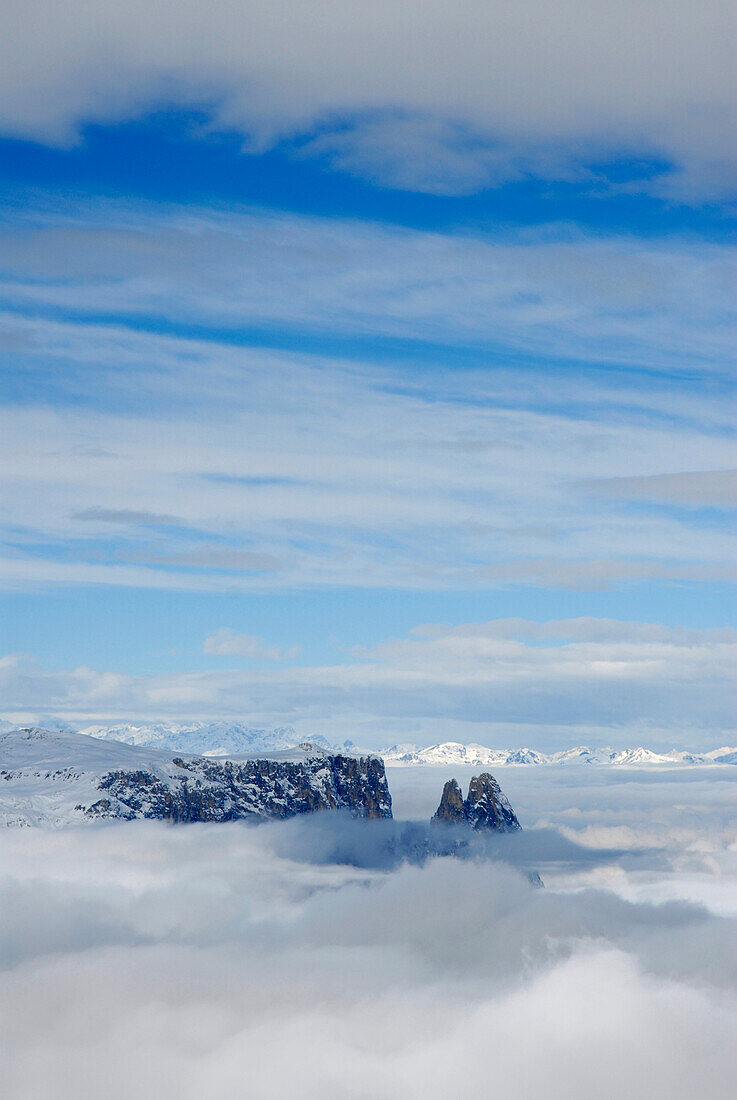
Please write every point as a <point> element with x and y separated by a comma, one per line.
<point>451,808</point>
<point>485,806</point>
<point>209,790</point>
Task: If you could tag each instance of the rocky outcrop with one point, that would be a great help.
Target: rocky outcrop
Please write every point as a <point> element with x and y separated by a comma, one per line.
<point>485,806</point>
<point>209,790</point>
<point>451,808</point>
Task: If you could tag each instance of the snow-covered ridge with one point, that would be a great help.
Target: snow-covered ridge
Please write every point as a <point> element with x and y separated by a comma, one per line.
<point>51,777</point>
<point>204,738</point>
<point>455,754</point>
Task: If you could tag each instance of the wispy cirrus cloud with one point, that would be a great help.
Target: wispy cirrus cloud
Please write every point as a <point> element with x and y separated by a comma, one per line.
<point>598,574</point>
<point>173,450</point>
<point>698,489</point>
<point>124,516</point>
<point>551,291</point>
<point>207,461</point>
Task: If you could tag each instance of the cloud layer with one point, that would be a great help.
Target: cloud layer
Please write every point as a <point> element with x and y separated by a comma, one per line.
<point>552,290</point>
<point>427,97</point>
<point>500,683</point>
<point>199,958</point>
<point>163,457</point>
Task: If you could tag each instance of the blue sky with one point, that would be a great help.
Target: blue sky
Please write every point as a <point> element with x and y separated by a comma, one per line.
<point>301,356</point>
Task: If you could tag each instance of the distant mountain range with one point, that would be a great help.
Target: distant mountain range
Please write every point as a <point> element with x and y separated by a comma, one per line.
<point>224,738</point>
<point>220,738</point>
<point>204,738</point>
<point>479,756</point>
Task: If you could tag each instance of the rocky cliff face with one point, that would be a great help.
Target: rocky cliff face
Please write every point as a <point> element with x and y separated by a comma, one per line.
<point>208,790</point>
<point>485,807</point>
<point>55,778</point>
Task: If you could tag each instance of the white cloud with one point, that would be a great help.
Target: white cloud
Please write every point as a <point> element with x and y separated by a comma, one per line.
<point>439,98</point>
<point>498,683</point>
<point>703,489</point>
<point>199,958</point>
<point>583,629</point>
<point>226,642</point>
<point>598,573</point>
<point>198,464</point>
<point>552,291</point>
<point>121,517</point>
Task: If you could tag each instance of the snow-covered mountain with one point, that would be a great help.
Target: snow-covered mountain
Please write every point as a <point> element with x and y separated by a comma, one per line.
<point>203,738</point>
<point>455,754</point>
<point>53,778</point>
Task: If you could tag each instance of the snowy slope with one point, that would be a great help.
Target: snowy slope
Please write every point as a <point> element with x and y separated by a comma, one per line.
<point>57,778</point>
<point>45,774</point>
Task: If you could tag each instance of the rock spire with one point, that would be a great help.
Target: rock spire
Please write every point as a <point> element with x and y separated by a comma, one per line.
<point>485,806</point>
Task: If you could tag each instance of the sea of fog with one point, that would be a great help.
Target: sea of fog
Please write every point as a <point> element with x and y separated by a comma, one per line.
<point>321,957</point>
